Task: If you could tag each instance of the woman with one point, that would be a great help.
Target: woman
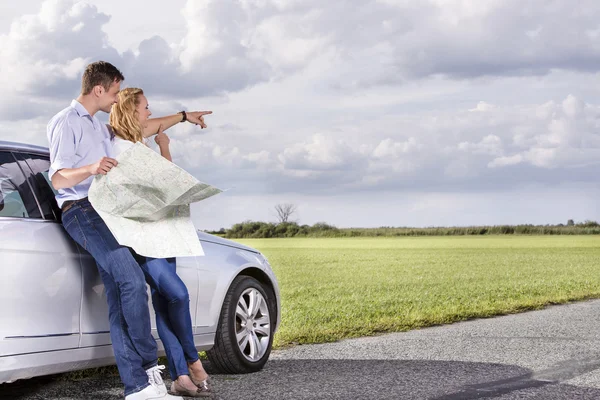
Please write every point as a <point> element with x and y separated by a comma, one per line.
<point>170,297</point>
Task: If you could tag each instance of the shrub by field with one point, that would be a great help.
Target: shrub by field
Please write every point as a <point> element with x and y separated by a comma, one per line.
<point>338,288</point>
<point>264,230</point>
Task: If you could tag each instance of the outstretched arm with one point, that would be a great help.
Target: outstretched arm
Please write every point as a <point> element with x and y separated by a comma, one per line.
<point>194,117</point>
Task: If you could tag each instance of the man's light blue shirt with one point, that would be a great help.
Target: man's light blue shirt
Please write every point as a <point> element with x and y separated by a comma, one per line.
<point>76,139</point>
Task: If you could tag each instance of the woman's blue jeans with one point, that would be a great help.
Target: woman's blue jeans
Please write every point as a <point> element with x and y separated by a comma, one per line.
<point>134,347</point>
<point>171,302</point>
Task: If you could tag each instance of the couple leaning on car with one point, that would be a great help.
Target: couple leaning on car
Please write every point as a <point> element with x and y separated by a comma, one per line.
<point>81,147</point>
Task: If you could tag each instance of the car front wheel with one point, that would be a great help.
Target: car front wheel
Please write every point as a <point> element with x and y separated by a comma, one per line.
<point>244,335</point>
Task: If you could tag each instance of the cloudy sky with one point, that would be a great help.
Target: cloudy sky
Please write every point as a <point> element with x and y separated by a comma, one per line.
<point>362,113</point>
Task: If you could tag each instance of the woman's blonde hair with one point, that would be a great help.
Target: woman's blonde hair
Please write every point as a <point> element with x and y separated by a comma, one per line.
<point>123,117</point>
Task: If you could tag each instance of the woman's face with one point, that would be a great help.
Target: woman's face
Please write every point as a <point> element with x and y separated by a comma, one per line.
<point>143,111</point>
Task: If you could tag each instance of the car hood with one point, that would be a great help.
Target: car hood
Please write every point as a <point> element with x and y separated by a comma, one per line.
<point>205,237</point>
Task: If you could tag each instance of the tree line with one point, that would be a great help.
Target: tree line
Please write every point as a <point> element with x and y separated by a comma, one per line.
<point>258,229</point>
<point>285,227</point>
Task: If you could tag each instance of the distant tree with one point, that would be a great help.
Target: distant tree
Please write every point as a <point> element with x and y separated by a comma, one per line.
<point>570,222</point>
<point>284,212</point>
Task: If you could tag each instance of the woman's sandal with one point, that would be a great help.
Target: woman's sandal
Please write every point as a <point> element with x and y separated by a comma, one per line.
<point>203,385</point>
<point>177,390</point>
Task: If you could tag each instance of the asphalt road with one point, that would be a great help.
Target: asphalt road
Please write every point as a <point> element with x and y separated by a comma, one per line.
<point>548,354</point>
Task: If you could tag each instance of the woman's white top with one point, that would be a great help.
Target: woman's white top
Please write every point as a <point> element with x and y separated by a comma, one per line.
<point>120,145</point>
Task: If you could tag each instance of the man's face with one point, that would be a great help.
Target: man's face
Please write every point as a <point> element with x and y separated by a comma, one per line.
<point>108,98</point>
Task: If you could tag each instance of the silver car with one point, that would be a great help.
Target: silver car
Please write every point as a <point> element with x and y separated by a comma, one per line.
<point>54,316</point>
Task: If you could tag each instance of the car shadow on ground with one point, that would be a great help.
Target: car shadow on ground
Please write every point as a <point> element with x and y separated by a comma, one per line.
<point>348,379</point>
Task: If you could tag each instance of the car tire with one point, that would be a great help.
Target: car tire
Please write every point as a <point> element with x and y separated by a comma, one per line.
<point>241,341</point>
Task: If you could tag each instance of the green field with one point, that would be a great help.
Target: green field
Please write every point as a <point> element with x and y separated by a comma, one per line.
<point>340,288</point>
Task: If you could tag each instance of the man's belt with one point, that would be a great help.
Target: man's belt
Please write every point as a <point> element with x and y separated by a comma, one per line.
<point>70,203</point>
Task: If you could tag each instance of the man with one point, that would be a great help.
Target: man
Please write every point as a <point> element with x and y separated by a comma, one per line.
<point>80,147</point>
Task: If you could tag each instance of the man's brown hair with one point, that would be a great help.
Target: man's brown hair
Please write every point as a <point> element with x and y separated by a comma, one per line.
<point>99,73</point>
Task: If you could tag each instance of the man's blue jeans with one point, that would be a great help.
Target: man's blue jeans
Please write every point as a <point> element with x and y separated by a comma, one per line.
<point>171,302</point>
<point>134,347</point>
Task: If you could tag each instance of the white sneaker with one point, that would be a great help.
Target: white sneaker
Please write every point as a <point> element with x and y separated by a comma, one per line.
<point>155,378</point>
<point>151,393</point>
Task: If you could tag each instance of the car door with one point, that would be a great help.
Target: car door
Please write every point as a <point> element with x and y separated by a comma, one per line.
<point>94,310</point>
<point>95,329</point>
<point>40,288</point>
<point>93,313</point>
<point>94,325</point>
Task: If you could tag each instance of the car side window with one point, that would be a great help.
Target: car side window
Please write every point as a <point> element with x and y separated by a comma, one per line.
<point>16,196</point>
<point>36,168</point>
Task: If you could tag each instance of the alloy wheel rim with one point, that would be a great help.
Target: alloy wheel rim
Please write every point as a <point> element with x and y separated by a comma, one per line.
<point>252,324</point>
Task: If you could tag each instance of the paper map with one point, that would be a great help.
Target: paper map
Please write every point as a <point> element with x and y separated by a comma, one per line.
<point>145,202</point>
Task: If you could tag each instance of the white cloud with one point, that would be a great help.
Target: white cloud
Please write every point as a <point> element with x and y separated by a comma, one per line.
<point>482,106</point>
<point>44,54</point>
<point>325,98</point>
<point>505,161</point>
<point>322,153</point>
<point>381,43</point>
<point>572,106</point>
<point>231,45</point>
<point>489,145</point>
<point>389,148</point>
<point>506,145</point>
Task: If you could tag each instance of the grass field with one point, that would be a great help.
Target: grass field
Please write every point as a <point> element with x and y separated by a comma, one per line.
<point>340,288</point>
